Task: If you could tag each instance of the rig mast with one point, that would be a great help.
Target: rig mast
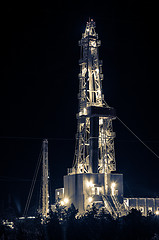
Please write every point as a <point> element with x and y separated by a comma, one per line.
<point>95,137</point>
<point>45,176</point>
<point>92,179</point>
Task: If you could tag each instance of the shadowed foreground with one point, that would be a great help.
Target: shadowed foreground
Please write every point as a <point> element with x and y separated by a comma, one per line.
<point>94,225</point>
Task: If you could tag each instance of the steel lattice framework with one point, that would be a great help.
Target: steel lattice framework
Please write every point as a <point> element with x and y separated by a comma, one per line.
<point>95,134</point>
<point>45,176</point>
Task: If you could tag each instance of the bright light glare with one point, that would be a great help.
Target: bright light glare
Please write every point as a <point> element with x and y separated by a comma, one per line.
<point>85,111</point>
<point>66,200</point>
<point>157,212</point>
<point>62,203</point>
<point>100,121</point>
<point>90,184</point>
<point>90,199</point>
<point>113,185</point>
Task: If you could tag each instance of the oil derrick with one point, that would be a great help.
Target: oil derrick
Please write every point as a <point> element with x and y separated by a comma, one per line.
<point>94,152</point>
<point>89,180</point>
<point>93,178</point>
<point>95,137</point>
<point>43,208</point>
<point>45,177</point>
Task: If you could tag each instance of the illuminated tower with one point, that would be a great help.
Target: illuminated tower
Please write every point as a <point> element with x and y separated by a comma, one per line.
<point>45,176</point>
<point>90,180</point>
<point>95,137</point>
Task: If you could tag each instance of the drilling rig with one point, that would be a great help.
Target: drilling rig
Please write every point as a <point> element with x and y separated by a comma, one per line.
<point>44,205</point>
<point>90,180</point>
<point>93,178</point>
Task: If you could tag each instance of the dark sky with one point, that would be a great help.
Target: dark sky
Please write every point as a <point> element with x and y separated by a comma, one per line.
<point>39,84</point>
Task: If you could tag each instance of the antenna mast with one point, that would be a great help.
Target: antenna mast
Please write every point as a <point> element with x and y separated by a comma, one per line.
<point>45,176</point>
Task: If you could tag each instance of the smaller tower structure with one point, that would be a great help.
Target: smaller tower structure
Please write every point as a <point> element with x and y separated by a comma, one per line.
<point>45,176</point>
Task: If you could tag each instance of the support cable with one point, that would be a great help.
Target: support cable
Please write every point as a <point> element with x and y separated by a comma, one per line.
<point>137,137</point>
<point>32,184</point>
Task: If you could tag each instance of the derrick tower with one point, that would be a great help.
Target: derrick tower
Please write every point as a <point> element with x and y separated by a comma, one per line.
<point>45,176</point>
<point>92,179</point>
<point>95,137</point>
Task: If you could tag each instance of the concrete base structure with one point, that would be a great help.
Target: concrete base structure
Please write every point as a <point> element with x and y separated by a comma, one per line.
<point>83,190</point>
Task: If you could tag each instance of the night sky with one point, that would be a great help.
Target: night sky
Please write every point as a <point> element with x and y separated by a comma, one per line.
<point>39,69</point>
